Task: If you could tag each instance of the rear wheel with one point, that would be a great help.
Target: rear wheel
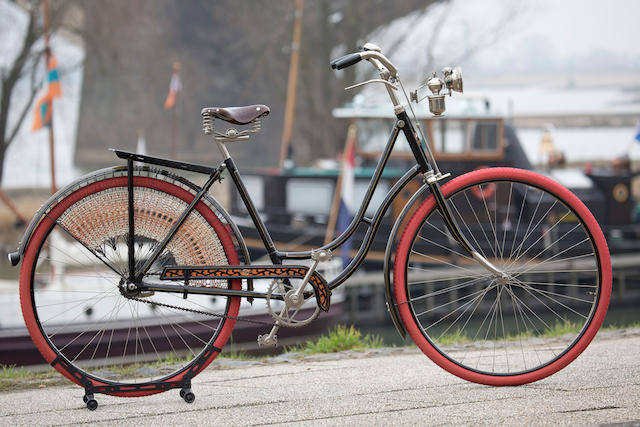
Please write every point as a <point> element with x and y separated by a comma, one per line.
<point>512,330</point>
<point>74,295</point>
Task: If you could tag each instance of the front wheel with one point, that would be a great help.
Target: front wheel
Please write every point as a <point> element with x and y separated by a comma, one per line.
<point>514,329</point>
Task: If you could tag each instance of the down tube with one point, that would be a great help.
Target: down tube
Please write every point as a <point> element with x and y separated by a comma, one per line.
<point>373,227</point>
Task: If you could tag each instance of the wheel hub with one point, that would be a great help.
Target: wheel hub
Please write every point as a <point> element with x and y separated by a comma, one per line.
<point>129,289</point>
<point>503,279</point>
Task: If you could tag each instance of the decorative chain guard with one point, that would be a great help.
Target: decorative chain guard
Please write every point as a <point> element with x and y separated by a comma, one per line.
<point>254,272</point>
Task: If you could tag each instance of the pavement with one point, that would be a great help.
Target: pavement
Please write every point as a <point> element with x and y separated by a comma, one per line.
<point>377,387</point>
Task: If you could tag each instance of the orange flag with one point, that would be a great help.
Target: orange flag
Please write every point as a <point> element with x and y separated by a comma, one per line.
<point>55,91</point>
<point>42,116</point>
<point>174,87</point>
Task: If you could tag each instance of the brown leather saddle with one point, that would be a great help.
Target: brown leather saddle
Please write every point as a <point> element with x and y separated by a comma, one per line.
<point>237,115</point>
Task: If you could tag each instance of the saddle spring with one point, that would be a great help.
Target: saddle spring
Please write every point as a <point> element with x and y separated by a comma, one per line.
<point>207,124</point>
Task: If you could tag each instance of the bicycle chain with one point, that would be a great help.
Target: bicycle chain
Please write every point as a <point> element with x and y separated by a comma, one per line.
<point>206,313</point>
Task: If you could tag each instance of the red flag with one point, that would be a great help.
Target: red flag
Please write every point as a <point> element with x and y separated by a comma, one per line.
<point>345,212</point>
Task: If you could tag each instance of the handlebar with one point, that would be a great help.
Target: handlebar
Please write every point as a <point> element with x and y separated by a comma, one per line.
<point>346,61</point>
<point>376,58</point>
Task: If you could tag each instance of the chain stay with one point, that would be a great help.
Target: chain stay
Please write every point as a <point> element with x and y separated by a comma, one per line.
<point>206,313</point>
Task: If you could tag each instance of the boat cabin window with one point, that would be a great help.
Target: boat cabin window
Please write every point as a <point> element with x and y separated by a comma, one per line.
<point>448,136</point>
<point>314,196</point>
<point>359,191</point>
<point>373,134</point>
<point>466,137</point>
<point>485,136</point>
<point>255,187</point>
<point>309,196</point>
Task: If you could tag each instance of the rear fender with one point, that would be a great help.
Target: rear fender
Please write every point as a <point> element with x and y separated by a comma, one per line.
<point>15,257</point>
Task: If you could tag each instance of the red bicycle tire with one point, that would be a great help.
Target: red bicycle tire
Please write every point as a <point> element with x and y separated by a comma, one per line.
<point>42,231</point>
<point>413,226</point>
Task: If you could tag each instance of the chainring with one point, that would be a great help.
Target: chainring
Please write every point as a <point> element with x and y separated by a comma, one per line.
<point>286,317</point>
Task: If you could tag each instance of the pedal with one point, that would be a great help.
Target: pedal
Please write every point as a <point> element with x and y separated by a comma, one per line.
<point>267,340</point>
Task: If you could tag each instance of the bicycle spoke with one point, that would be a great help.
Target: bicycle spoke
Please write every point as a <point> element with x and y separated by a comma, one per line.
<point>493,230</point>
<point>83,245</point>
<point>515,233</point>
<point>463,222</point>
<point>465,305</point>
<point>504,228</point>
<point>446,290</point>
<point>477,293</point>
<point>444,262</point>
<point>460,254</point>
<point>479,225</point>
<point>546,294</point>
<point>549,259</point>
<point>551,245</point>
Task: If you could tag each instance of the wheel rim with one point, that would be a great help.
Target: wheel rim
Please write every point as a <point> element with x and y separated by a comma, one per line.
<point>514,327</point>
<point>99,329</point>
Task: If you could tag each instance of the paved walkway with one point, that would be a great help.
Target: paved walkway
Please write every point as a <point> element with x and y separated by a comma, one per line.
<point>399,387</point>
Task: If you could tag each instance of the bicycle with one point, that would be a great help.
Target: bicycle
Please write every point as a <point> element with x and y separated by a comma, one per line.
<point>501,276</point>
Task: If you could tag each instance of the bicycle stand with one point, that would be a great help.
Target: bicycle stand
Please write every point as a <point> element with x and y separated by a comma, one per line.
<point>90,389</point>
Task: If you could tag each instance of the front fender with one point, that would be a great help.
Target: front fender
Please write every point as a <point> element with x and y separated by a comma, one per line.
<point>388,262</point>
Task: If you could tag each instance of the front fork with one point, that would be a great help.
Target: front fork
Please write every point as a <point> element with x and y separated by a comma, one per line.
<point>432,180</point>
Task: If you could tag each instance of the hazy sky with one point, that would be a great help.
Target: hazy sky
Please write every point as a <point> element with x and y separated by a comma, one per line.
<point>523,35</point>
<point>583,34</point>
<point>581,25</point>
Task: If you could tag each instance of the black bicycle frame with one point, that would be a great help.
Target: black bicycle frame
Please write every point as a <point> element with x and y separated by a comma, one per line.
<point>422,167</point>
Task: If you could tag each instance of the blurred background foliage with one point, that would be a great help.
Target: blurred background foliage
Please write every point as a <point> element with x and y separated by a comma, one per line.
<point>232,53</point>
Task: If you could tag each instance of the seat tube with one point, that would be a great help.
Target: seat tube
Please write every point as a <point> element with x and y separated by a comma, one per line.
<point>253,213</point>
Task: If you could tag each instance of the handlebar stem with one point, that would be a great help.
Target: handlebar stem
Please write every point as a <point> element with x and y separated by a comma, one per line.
<point>383,62</point>
<point>383,65</point>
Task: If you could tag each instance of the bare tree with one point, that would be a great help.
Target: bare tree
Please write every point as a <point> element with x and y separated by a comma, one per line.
<point>233,52</point>
<point>331,23</point>
<point>25,65</point>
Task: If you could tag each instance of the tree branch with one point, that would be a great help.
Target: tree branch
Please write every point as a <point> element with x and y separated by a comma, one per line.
<point>23,114</point>
<point>30,37</point>
<point>489,37</point>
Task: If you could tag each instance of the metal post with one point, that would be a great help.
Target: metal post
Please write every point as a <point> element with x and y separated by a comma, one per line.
<point>292,83</point>
<point>47,55</point>
<point>131,237</point>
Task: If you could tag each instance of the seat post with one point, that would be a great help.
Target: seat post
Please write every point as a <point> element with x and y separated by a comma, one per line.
<point>223,149</point>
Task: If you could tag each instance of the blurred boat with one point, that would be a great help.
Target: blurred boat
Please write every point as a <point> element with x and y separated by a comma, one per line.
<point>295,202</point>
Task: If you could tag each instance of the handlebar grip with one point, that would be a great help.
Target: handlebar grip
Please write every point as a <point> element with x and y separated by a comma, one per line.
<point>346,61</point>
